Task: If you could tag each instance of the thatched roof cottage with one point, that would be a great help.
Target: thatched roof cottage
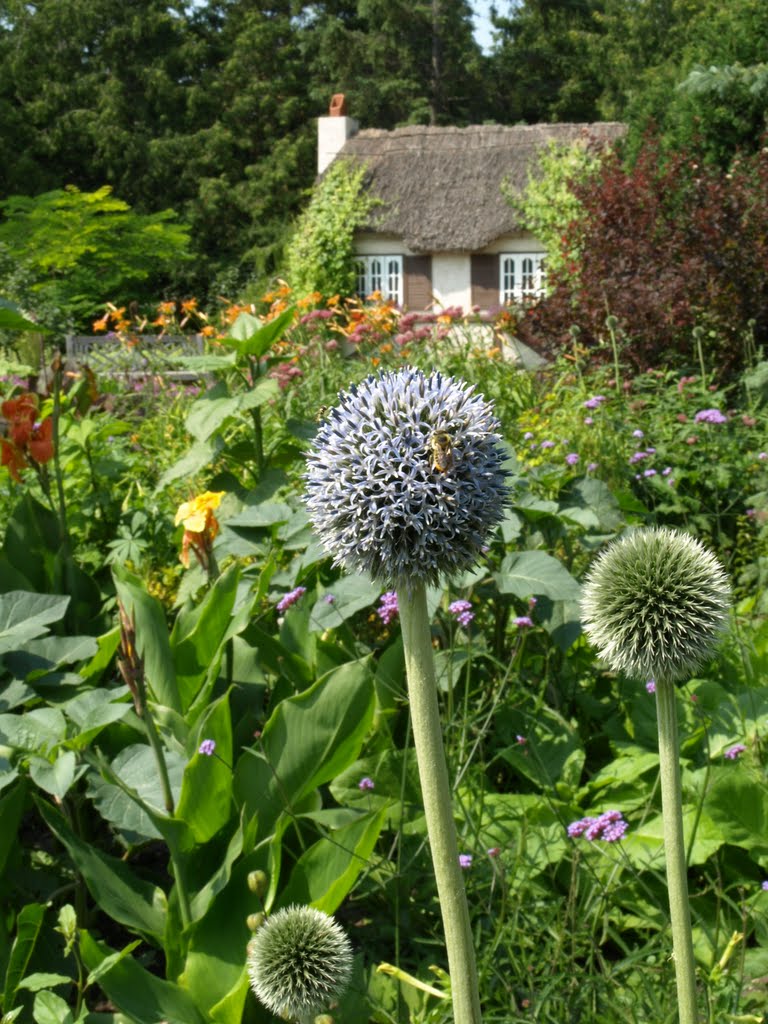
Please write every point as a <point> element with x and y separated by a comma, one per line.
<point>443,234</point>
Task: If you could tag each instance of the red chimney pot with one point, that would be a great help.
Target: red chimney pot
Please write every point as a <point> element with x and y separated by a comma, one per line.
<point>338,107</point>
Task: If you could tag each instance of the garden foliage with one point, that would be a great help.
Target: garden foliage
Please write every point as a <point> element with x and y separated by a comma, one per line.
<point>664,245</point>
<point>187,749</point>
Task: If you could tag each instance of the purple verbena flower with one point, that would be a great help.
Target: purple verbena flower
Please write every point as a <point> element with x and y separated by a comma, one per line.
<point>638,433</point>
<point>595,402</point>
<point>291,598</point>
<point>651,686</point>
<point>608,826</point>
<point>547,444</point>
<point>572,458</point>
<point>387,609</point>
<point>207,747</point>
<point>462,612</point>
<point>465,860</point>
<point>710,416</point>
<point>734,752</point>
<point>366,784</point>
<point>764,886</point>
<point>522,621</point>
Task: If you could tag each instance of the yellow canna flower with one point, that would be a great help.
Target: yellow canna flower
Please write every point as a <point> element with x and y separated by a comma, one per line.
<point>197,514</point>
<point>200,526</point>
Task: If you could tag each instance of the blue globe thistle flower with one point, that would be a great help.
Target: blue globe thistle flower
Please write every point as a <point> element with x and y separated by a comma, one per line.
<point>405,478</point>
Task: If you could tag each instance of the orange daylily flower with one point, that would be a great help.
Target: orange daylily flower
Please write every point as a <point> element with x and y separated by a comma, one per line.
<point>13,458</point>
<point>21,414</point>
<point>40,444</point>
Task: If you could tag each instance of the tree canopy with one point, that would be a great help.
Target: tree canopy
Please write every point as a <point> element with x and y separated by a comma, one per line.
<point>209,108</point>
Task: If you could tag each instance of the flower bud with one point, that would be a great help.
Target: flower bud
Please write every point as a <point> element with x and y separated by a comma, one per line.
<point>654,604</point>
<point>257,882</point>
<point>299,962</point>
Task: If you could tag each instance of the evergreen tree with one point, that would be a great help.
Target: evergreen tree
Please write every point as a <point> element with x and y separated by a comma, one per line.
<point>540,67</point>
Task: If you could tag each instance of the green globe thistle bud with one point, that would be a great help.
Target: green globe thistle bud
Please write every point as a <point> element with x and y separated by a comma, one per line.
<point>298,962</point>
<point>257,882</point>
<point>654,604</point>
<point>255,921</point>
<point>405,478</point>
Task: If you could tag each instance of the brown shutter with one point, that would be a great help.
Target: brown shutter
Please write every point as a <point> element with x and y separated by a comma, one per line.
<point>485,280</point>
<point>417,290</point>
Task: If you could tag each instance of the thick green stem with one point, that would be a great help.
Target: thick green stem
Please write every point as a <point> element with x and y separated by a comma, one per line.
<point>436,794</point>
<point>674,849</point>
<point>165,785</point>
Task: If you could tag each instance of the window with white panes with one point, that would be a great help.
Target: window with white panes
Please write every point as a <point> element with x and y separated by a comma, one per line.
<point>522,275</point>
<point>382,274</point>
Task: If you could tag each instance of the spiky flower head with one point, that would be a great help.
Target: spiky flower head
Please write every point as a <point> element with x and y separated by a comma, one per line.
<point>405,478</point>
<point>298,962</point>
<point>654,604</point>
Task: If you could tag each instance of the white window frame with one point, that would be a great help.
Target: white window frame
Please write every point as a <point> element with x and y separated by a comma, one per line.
<point>522,275</point>
<point>380,273</point>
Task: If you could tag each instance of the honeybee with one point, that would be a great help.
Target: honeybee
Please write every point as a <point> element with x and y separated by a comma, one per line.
<point>441,451</point>
<point>322,412</point>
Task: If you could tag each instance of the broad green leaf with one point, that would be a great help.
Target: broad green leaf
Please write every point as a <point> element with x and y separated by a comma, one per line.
<point>109,962</point>
<point>113,885</point>
<point>527,573</point>
<point>106,646</point>
<point>738,803</point>
<point>198,635</point>
<point>265,513</point>
<point>241,842</point>
<point>596,496</point>
<point>135,765</point>
<point>11,810</point>
<point>644,843</point>
<point>51,1009</point>
<point>325,873</point>
<point>37,657</point>
<point>309,740</point>
<point>93,710</point>
<point>195,459</point>
<point>55,778</point>
<point>12,320</point>
<point>28,923</point>
<point>24,615</point>
<point>216,406</point>
<point>39,730</point>
<point>349,594</point>
<point>205,803</point>
<point>229,1010</point>
<point>145,998</point>
<point>152,641</point>
<point>34,982</point>
<point>250,336</point>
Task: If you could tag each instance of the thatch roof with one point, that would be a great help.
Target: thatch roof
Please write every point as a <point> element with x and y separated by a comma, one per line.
<point>441,187</point>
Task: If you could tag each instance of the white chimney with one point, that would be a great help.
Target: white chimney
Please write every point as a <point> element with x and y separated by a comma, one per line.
<point>333,131</point>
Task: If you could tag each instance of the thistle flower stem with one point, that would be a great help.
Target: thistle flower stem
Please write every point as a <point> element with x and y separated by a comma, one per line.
<point>436,794</point>
<point>674,849</point>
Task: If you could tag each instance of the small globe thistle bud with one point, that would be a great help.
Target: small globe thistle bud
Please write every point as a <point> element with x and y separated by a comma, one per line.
<point>257,882</point>
<point>654,604</point>
<point>255,921</point>
<point>299,961</point>
<point>404,480</point>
